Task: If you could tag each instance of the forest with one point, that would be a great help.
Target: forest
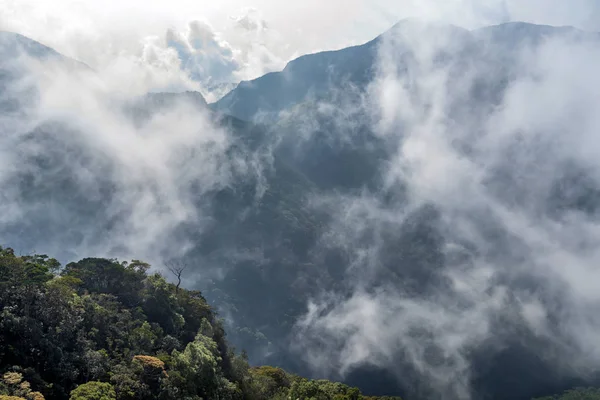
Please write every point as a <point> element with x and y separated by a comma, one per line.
<point>101,329</point>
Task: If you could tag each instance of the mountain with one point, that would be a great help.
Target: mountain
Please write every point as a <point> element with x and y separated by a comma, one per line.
<point>18,55</point>
<point>310,78</point>
<point>17,49</point>
<point>326,241</point>
<point>317,112</point>
<point>14,45</point>
<point>314,76</point>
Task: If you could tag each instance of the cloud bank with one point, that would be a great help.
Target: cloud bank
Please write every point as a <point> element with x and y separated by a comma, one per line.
<point>107,173</point>
<point>495,241</point>
<point>492,241</point>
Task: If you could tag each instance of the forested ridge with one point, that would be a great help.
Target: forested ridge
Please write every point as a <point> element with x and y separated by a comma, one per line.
<point>103,329</point>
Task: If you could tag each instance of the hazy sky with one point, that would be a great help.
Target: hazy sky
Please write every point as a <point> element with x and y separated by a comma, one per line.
<point>232,40</point>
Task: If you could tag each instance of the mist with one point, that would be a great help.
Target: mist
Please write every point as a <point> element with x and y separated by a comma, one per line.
<point>199,45</point>
<point>438,222</point>
<point>499,204</point>
<point>77,167</point>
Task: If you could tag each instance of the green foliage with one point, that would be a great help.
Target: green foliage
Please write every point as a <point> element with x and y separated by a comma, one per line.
<point>103,329</point>
<point>110,277</point>
<point>198,366</point>
<point>576,394</point>
<point>94,391</point>
<point>24,272</point>
<point>13,386</point>
<point>268,382</point>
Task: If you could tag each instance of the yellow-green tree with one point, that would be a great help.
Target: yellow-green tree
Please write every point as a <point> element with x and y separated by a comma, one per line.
<point>94,391</point>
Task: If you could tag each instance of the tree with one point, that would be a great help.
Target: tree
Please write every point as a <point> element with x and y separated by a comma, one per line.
<point>176,267</point>
<point>100,275</point>
<point>94,391</point>
<point>153,371</point>
<point>267,381</point>
<point>18,388</point>
<point>198,367</point>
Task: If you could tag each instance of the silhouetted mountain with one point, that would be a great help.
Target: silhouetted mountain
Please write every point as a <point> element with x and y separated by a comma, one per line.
<point>312,75</point>
<point>14,45</point>
<point>18,55</point>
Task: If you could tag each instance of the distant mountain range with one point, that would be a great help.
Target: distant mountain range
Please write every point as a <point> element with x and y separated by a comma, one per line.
<point>313,76</point>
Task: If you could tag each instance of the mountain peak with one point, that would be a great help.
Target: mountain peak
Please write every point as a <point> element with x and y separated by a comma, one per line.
<point>408,26</point>
<point>13,45</point>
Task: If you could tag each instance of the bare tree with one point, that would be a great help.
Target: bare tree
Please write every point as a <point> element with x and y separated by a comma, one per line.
<point>176,267</point>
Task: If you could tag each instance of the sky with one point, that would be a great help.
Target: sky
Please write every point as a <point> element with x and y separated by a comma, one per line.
<point>201,45</point>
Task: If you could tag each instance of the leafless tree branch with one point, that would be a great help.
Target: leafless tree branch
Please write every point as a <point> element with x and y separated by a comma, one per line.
<point>176,267</point>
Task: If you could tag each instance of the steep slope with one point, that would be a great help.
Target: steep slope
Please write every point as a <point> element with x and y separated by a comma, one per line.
<point>333,141</point>
<point>311,78</point>
<point>312,75</point>
<point>19,55</point>
<point>14,45</point>
<point>315,76</point>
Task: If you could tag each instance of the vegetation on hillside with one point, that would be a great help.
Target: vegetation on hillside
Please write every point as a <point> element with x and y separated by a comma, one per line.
<point>101,329</point>
<point>575,394</point>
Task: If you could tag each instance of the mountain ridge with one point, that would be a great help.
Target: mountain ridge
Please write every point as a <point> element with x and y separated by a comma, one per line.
<point>11,43</point>
<point>262,97</point>
<point>276,235</point>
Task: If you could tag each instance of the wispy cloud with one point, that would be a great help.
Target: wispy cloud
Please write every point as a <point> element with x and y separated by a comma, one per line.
<point>241,40</point>
<point>495,237</point>
<point>77,168</point>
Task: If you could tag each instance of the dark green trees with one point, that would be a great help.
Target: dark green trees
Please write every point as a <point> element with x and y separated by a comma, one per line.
<point>101,320</point>
<point>100,329</point>
<point>576,394</point>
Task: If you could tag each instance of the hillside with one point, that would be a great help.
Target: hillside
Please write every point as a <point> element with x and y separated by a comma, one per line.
<point>321,77</point>
<point>102,329</point>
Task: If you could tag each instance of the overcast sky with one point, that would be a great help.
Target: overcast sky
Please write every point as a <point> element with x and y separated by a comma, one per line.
<point>232,40</point>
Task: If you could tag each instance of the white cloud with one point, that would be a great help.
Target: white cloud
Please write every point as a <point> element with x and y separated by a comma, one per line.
<point>134,184</point>
<point>139,50</point>
<point>490,172</point>
<point>247,39</point>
